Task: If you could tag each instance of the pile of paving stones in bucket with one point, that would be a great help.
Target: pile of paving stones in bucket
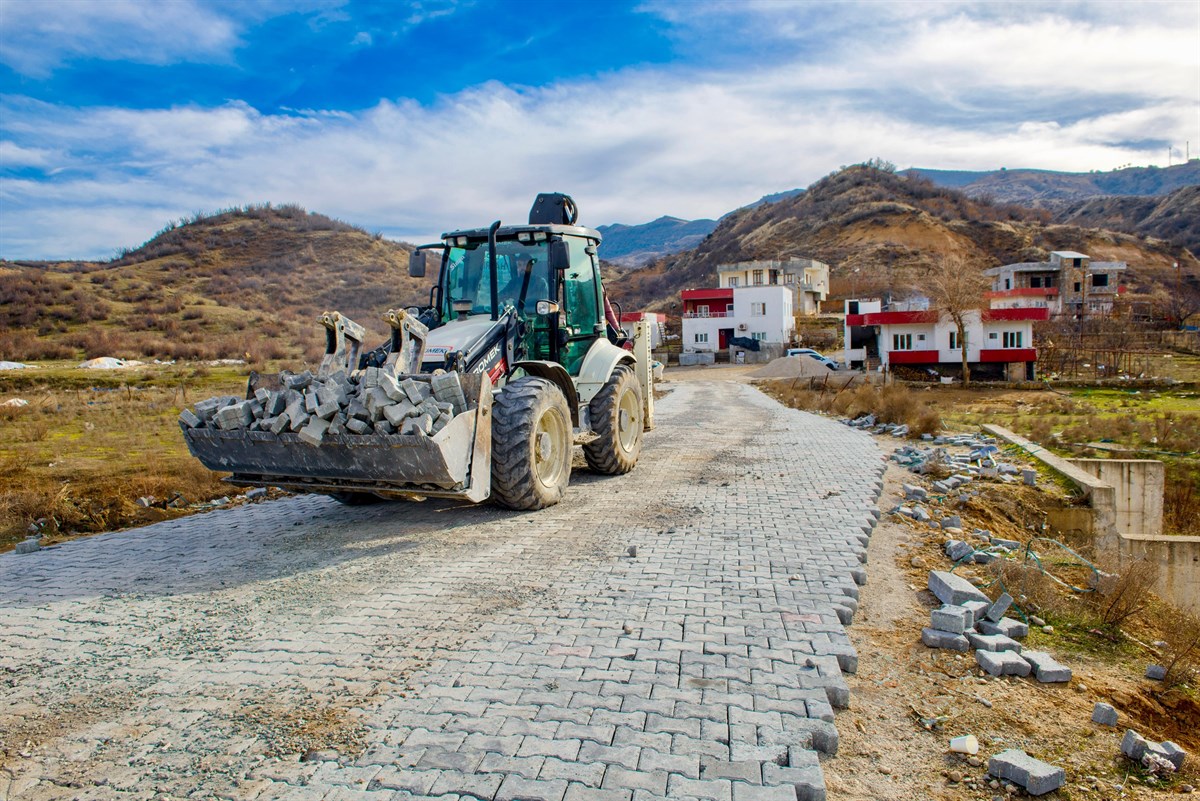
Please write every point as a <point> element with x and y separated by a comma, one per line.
<point>372,401</point>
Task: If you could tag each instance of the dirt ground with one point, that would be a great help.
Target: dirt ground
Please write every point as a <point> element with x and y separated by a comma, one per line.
<point>886,752</point>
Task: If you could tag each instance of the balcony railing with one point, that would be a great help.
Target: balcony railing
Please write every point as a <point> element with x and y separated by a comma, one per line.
<point>703,315</point>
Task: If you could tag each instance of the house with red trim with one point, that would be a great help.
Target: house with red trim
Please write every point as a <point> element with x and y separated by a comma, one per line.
<point>714,316</point>
<point>653,320</point>
<point>999,342</point>
<point>1068,284</point>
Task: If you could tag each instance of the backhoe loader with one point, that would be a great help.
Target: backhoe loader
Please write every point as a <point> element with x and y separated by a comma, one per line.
<point>483,393</point>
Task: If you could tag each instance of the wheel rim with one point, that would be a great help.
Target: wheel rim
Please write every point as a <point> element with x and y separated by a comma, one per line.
<point>549,445</point>
<point>629,421</point>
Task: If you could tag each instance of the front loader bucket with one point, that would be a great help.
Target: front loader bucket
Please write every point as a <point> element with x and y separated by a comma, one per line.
<point>453,463</point>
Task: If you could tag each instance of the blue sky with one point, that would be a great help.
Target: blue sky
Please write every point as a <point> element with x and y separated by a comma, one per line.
<point>117,116</point>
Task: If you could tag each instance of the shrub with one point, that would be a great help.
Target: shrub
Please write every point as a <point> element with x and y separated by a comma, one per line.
<point>1125,594</point>
<point>1183,649</point>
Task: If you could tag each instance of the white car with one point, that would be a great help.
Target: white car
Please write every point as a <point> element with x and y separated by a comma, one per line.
<point>825,360</point>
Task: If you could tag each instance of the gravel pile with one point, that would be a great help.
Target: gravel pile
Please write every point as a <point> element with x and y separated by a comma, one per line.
<point>792,367</point>
<point>371,402</point>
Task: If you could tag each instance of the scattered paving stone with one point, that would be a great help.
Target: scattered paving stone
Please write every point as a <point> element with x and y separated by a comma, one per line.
<point>993,642</point>
<point>28,545</point>
<point>1133,745</point>
<point>951,618</point>
<point>1104,714</point>
<point>944,639</point>
<point>997,610</point>
<point>952,589</point>
<point>1002,663</point>
<point>1046,668</point>
<point>1035,776</point>
<point>1175,754</point>
<point>1156,672</point>
<point>1006,626</point>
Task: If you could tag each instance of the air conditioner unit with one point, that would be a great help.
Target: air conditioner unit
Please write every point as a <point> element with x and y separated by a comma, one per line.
<point>742,326</point>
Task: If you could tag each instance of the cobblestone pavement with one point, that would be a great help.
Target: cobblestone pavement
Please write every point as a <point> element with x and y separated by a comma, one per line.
<point>300,649</point>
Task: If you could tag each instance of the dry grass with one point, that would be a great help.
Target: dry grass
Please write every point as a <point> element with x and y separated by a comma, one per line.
<point>894,403</point>
<point>1124,595</point>
<point>77,458</point>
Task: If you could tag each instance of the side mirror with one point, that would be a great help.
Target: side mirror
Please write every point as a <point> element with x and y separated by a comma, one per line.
<point>416,263</point>
<point>560,255</point>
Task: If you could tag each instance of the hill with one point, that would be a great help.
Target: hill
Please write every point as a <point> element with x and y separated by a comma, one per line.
<point>633,245</point>
<point>1175,217</point>
<point>874,227</point>
<point>1047,187</point>
<point>243,283</point>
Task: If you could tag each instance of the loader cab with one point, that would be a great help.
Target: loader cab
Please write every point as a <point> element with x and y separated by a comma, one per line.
<point>549,274</point>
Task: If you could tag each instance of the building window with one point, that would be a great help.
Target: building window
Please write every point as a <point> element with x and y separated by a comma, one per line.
<point>1035,281</point>
<point>774,277</point>
<point>1078,286</point>
<point>920,337</point>
<point>702,311</point>
<point>1100,279</point>
<point>993,335</point>
<point>729,308</point>
<point>789,278</point>
<point>700,338</point>
<point>758,335</point>
<point>1008,283</point>
<point>758,310</point>
<point>902,342</point>
<point>756,277</point>
<point>852,307</point>
<point>1012,339</point>
<point>733,282</point>
<point>954,341</point>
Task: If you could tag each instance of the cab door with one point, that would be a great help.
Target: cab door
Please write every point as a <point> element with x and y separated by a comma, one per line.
<point>582,321</point>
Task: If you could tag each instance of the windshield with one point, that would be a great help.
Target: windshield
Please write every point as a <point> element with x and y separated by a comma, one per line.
<point>521,270</point>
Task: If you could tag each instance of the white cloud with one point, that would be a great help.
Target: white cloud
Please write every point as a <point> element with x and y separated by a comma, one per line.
<point>630,146</point>
<point>39,35</point>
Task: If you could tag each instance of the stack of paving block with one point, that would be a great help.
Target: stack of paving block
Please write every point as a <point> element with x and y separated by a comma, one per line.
<point>969,619</point>
<point>373,401</point>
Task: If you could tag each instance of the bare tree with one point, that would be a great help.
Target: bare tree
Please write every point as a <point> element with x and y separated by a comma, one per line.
<point>955,287</point>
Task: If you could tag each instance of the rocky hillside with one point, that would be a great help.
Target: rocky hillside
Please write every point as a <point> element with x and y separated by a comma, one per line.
<point>241,283</point>
<point>875,228</point>
<point>1049,188</point>
<point>634,245</point>
<point>1175,217</point>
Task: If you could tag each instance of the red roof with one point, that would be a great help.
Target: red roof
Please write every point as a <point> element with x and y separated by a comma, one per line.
<point>635,317</point>
<point>1028,313</point>
<point>707,294</point>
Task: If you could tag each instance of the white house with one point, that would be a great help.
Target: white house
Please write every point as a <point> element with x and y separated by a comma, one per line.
<point>712,317</point>
<point>1069,283</point>
<point>653,320</point>
<point>808,279</point>
<point>999,342</point>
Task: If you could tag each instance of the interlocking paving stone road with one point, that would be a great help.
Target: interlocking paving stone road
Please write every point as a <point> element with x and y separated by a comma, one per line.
<point>416,650</point>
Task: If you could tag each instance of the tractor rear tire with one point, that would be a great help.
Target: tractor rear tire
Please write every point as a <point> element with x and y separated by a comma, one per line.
<point>618,416</point>
<point>532,444</point>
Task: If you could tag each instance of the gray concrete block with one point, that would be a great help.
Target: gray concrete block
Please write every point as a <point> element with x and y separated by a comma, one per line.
<point>327,410</point>
<point>357,426</point>
<point>952,589</point>
<point>977,609</point>
<point>1011,545</point>
<point>1175,754</point>
<point>1104,714</point>
<point>1006,626</point>
<point>958,550</point>
<point>280,424</point>
<point>1133,745</point>
<point>808,781</point>
<point>275,403</point>
<point>914,492</point>
<point>997,610</point>
<point>934,638</point>
<point>189,419</point>
<point>954,521</point>
<point>398,412</point>
<point>1029,477</point>
<point>1034,775</point>
<point>29,545</point>
<point>314,432</point>
<point>954,619</point>
<point>1156,672</point>
<point>1046,668</point>
<point>1002,663</point>
<point>993,642</point>
<point>417,392</point>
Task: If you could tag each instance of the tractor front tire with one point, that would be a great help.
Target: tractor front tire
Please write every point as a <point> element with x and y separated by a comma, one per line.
<point>532,442</point>
<point>618,417</point>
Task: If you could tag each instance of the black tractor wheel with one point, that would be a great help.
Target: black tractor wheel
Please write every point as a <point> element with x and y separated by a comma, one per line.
<point>618,417</point>
<point>532,441</point>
